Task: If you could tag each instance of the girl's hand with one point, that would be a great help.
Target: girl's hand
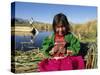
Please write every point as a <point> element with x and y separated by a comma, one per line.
<point>62,50</point>
<point>69,52</point>
<point>54,49</point>
<point>51,52</point>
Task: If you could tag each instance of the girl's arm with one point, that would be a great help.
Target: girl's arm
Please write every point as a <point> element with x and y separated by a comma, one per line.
<point>74,45</point>
<point>46,46</point>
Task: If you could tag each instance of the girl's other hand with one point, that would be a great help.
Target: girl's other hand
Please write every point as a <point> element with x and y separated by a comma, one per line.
<point>69,52</point>
<point>51,52</point>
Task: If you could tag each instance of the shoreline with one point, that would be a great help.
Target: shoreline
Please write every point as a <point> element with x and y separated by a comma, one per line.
<point>22,29</point>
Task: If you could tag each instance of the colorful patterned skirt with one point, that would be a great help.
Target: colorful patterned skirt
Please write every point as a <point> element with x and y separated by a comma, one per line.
<point>66,63</point>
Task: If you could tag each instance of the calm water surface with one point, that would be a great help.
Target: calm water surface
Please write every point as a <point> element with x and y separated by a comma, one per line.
<point>27,42</point>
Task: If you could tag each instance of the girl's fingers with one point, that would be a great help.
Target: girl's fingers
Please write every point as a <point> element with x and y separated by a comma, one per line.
<point>69,52</point>
<point>51,52</point>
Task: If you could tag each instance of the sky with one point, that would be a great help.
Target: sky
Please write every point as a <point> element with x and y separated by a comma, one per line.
<point>45,12</point>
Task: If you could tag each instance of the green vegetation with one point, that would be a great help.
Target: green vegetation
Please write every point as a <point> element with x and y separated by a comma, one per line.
<point>26,61</point>
<point>86,32</point>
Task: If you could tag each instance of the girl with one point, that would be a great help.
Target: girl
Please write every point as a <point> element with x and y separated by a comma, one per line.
<point>61,48</point>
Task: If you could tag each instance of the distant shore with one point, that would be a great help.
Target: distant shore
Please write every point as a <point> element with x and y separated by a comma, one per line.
<point>22,28</point>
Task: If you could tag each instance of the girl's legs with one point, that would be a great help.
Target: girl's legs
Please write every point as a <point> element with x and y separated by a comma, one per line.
<point>72,63</point>
<point>77,62</point>
<point>49,65</point>
<point>66,64</point>
<point>53,65</point>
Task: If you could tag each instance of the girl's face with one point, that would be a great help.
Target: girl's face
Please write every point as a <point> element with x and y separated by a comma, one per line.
<point>60,29</point>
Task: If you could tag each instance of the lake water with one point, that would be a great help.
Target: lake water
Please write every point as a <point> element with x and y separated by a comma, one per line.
<point>28,42</point>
